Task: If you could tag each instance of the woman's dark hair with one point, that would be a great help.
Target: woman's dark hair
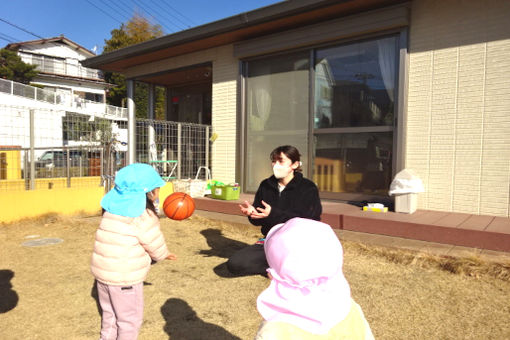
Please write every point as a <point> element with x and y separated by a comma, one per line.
<point>288,150</point>
<point>150,204</point>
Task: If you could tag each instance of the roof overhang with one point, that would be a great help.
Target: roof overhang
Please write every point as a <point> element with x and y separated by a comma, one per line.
<point>263,21</point>
<point>61,39</point>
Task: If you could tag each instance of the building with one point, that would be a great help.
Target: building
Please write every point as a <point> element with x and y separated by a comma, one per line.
<point>66,94</point>
<point>58,62</point>
<point>363,88</point>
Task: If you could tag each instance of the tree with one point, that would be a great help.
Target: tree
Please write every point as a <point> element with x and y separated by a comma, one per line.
<point>138,29</point>
<point>13,68</point>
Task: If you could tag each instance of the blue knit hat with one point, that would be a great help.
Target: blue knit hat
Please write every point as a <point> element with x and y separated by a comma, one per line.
<point>132,183</point>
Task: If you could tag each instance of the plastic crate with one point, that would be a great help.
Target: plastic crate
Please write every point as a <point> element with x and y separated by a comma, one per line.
<point>226,192</point>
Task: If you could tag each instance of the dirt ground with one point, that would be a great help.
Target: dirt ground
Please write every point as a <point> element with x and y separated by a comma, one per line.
<point>47,292</point>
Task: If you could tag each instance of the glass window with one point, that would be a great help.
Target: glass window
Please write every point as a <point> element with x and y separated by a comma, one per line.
<point>355,84</point>
<point>277,111</point>
<point>191,104</point>
<point>354,91</point>
<point>354,162</point>
<point>95,97</point>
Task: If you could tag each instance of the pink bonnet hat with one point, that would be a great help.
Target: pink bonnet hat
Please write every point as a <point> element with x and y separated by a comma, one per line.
<point>308,288</point>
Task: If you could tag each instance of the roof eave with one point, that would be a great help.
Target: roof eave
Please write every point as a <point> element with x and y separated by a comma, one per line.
<point>232,23</point>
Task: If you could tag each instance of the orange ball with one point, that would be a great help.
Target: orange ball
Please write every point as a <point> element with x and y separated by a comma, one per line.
<point>178,206</point>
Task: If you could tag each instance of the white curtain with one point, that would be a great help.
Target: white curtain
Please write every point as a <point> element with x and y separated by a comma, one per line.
<point>260,103</point>
<point>387,64</point>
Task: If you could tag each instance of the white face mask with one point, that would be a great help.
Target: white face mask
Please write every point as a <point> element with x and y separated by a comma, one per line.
<point>281,171</point>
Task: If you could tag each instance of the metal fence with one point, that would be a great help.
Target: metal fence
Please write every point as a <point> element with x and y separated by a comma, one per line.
<point>63,100</point>
<point>165,144</point>
<point>45,148</point>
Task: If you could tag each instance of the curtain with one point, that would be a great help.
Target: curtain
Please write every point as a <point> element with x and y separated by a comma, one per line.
<point>387,64</point>
<point>260,103</point>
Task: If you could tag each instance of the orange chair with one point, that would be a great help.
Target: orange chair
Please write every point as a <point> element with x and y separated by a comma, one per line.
<point>329,174</point>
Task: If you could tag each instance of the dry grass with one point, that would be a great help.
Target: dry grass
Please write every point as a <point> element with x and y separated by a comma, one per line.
<point>469,265</point>
<point>404,295</point>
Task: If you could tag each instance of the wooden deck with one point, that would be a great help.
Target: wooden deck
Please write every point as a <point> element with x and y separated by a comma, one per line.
<point>475,231</point>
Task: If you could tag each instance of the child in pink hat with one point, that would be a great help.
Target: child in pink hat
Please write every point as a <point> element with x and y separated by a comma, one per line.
<point>309,297</point>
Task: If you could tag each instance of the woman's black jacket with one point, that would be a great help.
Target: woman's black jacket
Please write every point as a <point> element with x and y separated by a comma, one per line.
<point>300,198</point>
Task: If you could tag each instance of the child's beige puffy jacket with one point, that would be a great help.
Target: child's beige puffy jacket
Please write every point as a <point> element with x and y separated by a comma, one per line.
<point>124,248</point>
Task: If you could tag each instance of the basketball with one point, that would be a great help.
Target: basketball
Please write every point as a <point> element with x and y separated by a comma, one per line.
<point>178,206</point>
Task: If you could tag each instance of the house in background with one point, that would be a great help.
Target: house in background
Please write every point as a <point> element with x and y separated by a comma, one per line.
<point>68,97</point>
<point>58,62</point>
<point>363,88</point>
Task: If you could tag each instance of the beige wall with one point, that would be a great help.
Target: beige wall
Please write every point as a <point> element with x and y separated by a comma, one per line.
<point>458,114</point>
<point>224,89</point>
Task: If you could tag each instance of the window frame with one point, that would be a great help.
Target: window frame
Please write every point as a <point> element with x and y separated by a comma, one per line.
<point>400,109</point>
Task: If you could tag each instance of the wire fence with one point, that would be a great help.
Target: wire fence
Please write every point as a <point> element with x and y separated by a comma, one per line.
<point>62,99</point>
<point>45,148</point>
<point>164,144</point>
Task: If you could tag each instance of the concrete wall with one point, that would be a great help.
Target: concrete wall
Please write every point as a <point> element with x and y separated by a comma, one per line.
<point>458,114</point>
<point>224,89</point>
<point>84,197</point>
<point>21,204</point>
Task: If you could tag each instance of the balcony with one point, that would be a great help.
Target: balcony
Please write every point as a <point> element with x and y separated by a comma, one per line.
<point>60,66</point>
<point>65,100</point>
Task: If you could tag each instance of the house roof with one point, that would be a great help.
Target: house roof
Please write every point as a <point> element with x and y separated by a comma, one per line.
<point>61,39</point>
<point>266,20</point>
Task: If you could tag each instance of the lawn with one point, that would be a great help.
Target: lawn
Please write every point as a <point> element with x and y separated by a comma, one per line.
<point>404,295</point>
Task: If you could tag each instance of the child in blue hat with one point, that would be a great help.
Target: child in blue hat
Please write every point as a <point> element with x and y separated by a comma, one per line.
<point>127,240</point>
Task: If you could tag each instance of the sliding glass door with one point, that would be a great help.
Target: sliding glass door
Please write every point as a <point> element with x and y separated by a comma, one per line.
<point>277,111</point>
<point>354,115</point>
<point>344,97</point>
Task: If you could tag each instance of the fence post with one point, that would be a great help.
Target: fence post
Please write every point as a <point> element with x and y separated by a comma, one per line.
<point>130,87</point>
<point>101,168</point>
<point>179,146</point>
<point>26,170</point>
<point>150,126</point>
<point>12,87</point>
<point>32,153</point>
<point>207,146</point>
<point>68,166</point>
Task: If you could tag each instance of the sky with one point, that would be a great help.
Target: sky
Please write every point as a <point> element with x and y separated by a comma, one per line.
<point>89,22</point>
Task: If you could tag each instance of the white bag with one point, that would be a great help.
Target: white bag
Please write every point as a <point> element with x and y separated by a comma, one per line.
<point>198,187</point>
<point>181,185</point>
<point>406,182</point>
<point>194,187</point>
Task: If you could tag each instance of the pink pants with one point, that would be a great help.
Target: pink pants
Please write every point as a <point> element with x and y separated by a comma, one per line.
<point>122,311</point>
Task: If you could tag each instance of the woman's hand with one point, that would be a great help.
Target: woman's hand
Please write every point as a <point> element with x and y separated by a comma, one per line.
<point>247,209</point>
<point>262,212</point>
<point>171,257</point>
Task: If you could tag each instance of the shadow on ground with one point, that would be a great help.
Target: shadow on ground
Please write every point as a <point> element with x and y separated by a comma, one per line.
<point>182,323</point>
<point>220,245</point>
<point>8,296</point>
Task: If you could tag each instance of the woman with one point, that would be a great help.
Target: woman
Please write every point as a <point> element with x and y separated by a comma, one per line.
<point>284,195</point>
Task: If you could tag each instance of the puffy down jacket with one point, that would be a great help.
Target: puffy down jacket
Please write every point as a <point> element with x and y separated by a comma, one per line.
<point>124,248</point>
